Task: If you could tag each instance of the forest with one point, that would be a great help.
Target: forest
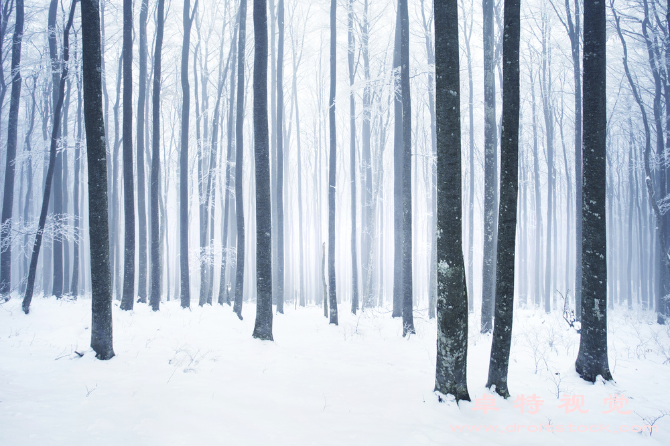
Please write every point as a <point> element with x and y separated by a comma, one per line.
<point>334,221</point>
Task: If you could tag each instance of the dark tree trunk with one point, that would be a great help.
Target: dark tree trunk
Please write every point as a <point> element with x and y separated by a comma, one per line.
<point>280,158</point>
<point>407,311</point>
<point>141,194</point>
<point>592,358</point>
<point>263,325</point>
<point>128,188</point>
<point>12,131</point>
<point>156,265</point>
<point>101,306</point>
<point>332,177</point>
<point>352,145</point>
<point>452,298</point>
<point>64,190</point>
<point>509,186</point>
<point>58,106</point>
<point>397,174</point>
<point>490,167</point>
<point>57,285</point>
<point>239,159</point>
<point>183,156</point>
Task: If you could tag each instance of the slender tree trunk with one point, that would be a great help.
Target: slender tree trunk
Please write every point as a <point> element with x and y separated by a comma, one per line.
<point>57,286</point>
<point>141,194</point>
<point>224,294</point>
<point>367,217</point>
<point>74,287</point>
<point>490,167</point>
<point>279,129</point>
<point>452,298</point>
<point>183,156</point>
<point>407,302</point>
<point>12,135</point>
<point>156,263</point>
<point>128,187</point>
<point>509,186</point>
<point>239,158</point>
<point>263,325</point>
<point>397,174</point>
<point>352,145</point>
<point>332,177</point>
<point>592,358</point>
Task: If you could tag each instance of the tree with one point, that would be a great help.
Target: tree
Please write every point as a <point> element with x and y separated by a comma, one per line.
<point>141,194</point>
<point>592,358</point>
<point>32,271</point>
<point>397,173</point>
<point>183,156</point>
<point>332,177</point>
<point>351,44</point>
<point>128,188</point>
<point>279,129</point>
<point>239,159</point>
<point>509,186</point>
<point>156,265</point>
<point>490,170</point>
<point>452,297</point>
<point>263,325</point>
<point>407,301</point>
<point>57,288</point>
<point>101,293</point>
<point>74,287</point>
<point>12,131</point>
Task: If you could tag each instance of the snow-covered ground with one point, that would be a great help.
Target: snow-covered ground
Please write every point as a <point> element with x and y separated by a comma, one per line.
<point>196,377</point>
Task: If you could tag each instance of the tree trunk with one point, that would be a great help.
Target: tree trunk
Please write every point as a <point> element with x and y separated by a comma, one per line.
<point>263,325</point>
<point>141,194</point>
<point>352,145</point>
<point>509,186</point>
<point>397,174</point>
<point>592,358</point>
<point>239,158</point>
<point>407,310</point>
<point>452,298</point>
<point>156,263</point>
<point>279,129</point>
<point>128,187</point>
<point>74,287</point>
<point>183,156</point>
<point>332,177</point>
<point>101,307</point>
<point>490,167</point>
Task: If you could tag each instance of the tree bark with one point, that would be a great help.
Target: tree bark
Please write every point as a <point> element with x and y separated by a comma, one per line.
<point>156,264</point>
<point>239,158</point>
<point>490,171</point>
<point>509,186</point>
<point>352,146</point>
<point>141,194</point>
<point>183,156</point>
<point>592,358</point>
<point>397,173</point>
<point>101,306</point>
<point>128,187</point>
<point>452,298</point>
<point>263,324</point>
<point>332,177</point>
<point>280,158</point>
<point>12,131</point>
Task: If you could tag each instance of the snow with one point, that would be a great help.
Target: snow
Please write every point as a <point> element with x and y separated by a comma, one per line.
<point>197,377</point>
